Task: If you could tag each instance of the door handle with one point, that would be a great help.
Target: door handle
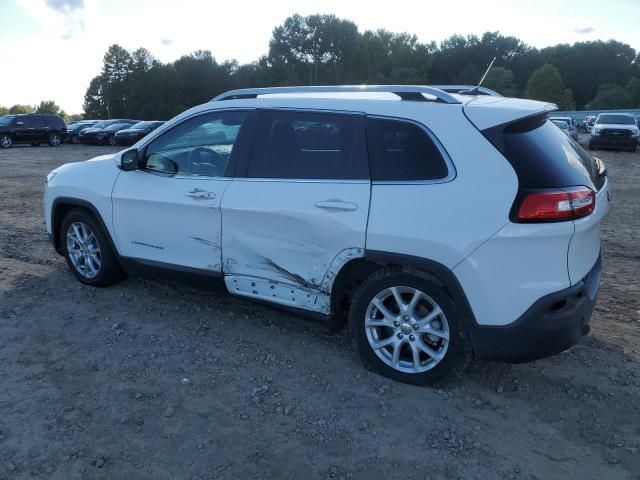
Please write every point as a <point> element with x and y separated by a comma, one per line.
<point>337,205</point>
<point>200,194</point>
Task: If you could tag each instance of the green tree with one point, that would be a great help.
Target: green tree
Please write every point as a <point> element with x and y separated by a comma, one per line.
<point>633,89</point>
<point>117,65</point>
<point>500,79</point>
<point>320,48</point>
<point>611,96</point>
<point>48,106</point>
<point>94,101</point>
<point>546,85</point>
<point>20,109</point>
<point>3,110</point>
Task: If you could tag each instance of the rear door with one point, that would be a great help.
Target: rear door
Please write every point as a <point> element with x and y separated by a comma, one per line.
<point>298,209</point>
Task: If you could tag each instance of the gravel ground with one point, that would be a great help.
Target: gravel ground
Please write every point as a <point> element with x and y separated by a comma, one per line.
<point>151,380</point>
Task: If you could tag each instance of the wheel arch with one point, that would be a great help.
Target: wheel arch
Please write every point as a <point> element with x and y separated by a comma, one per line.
<point>374,260</point>
<point>63,205</point>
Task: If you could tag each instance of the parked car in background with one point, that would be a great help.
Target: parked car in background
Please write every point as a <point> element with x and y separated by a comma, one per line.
<point>73,130</point>
<point>591,120</point>
<point>638,125</point>
<point>104,132</point>
<point>566,125</point>
<point>32,128</point>
<point>617,131</point>
<point>131,135</point>
<point>322,193</point>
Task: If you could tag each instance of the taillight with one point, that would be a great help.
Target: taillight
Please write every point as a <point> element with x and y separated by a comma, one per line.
<point>556,205</point>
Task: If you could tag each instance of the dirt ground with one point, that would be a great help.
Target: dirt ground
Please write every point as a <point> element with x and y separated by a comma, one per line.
<point>152,380</point>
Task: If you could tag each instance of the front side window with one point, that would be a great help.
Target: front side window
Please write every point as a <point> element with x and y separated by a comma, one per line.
<point>7,119</point>
<point>403,151</point>
<point>309,145</point>
<point>199,146</point>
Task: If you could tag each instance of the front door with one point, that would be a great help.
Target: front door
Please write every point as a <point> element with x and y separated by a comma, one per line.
<point>298,211</point>
<point>168,211</point>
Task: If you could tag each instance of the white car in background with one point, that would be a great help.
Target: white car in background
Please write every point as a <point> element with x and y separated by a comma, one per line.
<point>444,225</point>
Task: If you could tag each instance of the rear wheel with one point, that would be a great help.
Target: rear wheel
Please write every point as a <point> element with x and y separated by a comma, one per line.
<point>74,139</point>
<point>87,250</point>
<point>405,327</point>
<point>5,141</point>
<point>54,139</point>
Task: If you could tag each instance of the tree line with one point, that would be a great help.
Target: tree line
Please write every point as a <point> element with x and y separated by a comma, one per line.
<point>45,106</point>
<point>326,50</point>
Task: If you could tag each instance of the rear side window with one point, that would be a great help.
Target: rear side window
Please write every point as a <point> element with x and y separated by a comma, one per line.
<point>309,145</point>
<point>543,156</point>
<point>38,121</point>
<point>403,151</point>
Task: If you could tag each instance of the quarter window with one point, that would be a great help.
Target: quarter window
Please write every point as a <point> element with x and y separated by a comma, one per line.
<point>199,146</point>
<point>400,150</point>
<point>309,145</point>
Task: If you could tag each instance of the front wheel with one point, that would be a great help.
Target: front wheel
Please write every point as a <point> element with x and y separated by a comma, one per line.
<point>87,250</point>
<point>112,140</point>
<point>405,327</point>
<point>74,139</point>
<point>5,141</point>
<point>54,139</point>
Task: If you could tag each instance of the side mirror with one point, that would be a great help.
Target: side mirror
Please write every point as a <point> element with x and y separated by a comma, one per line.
<point>129,160</point>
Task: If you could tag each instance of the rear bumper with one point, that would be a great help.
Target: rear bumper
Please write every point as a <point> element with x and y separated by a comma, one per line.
<point>614,142</point>
<point>551,325</point>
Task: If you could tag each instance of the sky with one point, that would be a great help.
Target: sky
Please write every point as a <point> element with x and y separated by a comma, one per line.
<point>51,49</point>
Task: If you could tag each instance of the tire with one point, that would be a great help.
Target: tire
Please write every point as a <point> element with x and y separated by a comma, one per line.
<point>111,140</point>
<point>81,231</point>
<point>74,139</point>
<point>447,348</point>
<point>55,139</point>
<point>591,146</point>
<point>5,141</point>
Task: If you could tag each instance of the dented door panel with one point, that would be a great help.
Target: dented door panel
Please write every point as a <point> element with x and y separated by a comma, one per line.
<point>277,244</point>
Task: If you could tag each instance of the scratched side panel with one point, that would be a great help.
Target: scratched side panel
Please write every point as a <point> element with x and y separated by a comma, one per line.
<point>273,234</point>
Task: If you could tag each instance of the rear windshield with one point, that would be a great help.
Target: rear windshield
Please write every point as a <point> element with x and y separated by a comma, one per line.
<point>615,119</point>
<point>543,156</point>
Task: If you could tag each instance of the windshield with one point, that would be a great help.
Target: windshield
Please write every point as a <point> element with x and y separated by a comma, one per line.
<point>103,124</point>
<point>142,125</point>
<point>7,119</point>
<point>562,124</point>
<point>117,126</point>
<point>616,119</point>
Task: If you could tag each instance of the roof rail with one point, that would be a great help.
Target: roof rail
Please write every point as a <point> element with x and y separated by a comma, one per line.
<point>467,90</point>
<point>405,92</point>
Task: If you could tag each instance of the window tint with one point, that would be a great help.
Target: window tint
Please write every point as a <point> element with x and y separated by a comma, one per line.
<point>543,156</point>
<point>26,120</point>
<point>199,146</point>
<point>400,150</point>
<point>37,121</point>
<point>309,145</point>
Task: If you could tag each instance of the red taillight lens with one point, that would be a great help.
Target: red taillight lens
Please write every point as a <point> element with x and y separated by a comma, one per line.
<point>552,206</point>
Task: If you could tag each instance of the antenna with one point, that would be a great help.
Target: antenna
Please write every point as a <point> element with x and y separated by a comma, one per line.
<point>485,73</point>
<point>476,90</point>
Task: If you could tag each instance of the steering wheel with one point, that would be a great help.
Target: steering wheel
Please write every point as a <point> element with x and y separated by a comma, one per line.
<point>205,161</point>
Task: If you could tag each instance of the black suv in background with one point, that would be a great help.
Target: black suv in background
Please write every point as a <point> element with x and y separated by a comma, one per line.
<point>32,128</point>
<point>131,135</point>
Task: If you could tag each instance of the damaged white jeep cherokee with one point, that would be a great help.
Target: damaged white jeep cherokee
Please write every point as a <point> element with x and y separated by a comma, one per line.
<point>447,223</point>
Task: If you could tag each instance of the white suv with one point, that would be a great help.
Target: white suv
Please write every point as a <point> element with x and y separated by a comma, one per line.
<point>446,225</point>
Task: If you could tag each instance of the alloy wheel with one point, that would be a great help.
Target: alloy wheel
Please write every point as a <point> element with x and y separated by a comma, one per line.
<point>407,329</point>
<point>5,141</point>
<point>84,250</point>
<point>54,140</point>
